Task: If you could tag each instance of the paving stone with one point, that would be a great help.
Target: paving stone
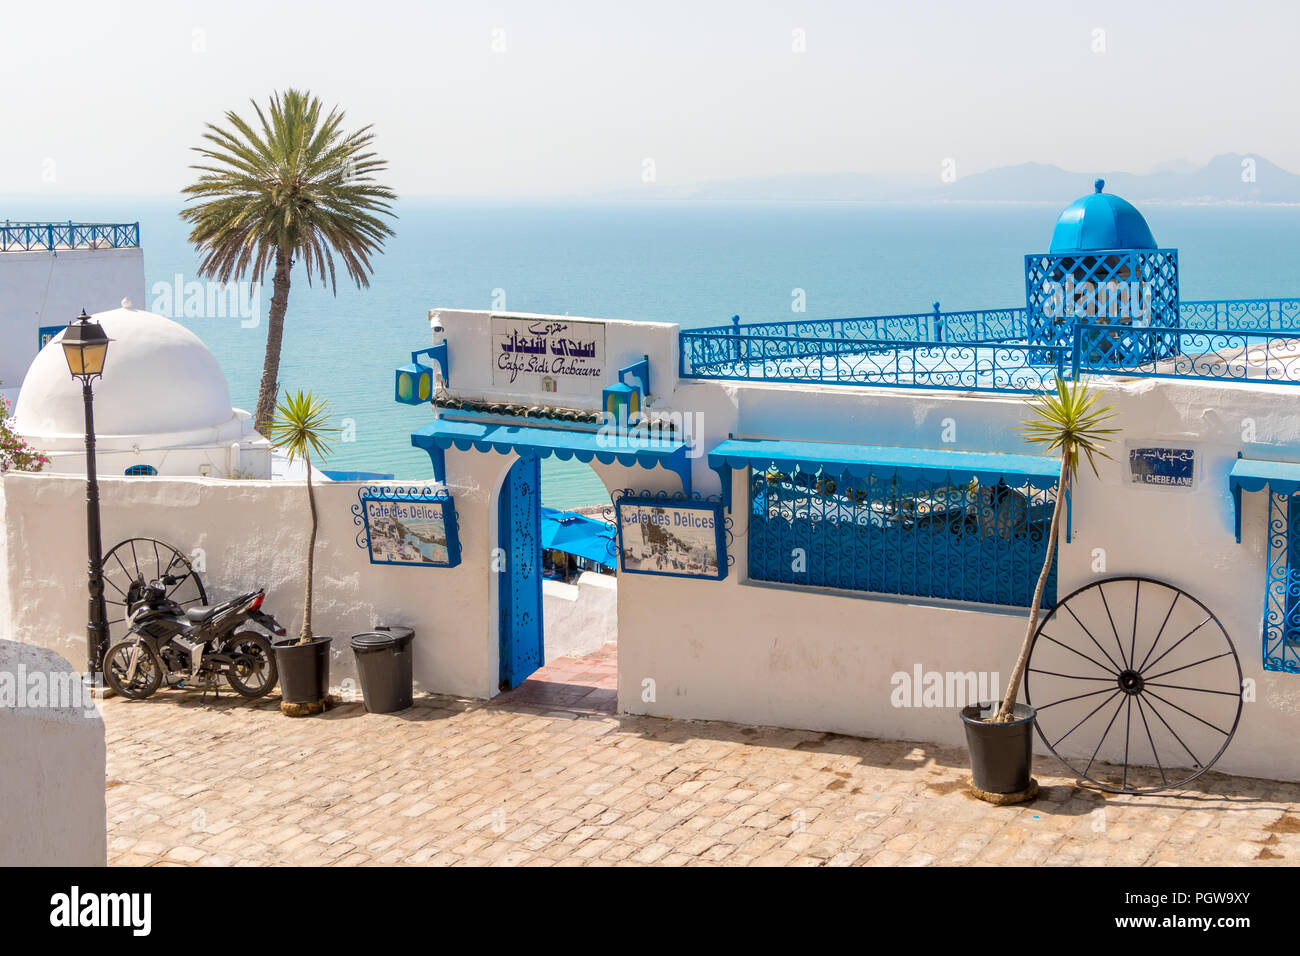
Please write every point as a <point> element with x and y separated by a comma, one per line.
<point>456,782</point>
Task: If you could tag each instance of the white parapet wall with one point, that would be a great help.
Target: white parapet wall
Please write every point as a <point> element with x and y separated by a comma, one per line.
<point>53,754</point>
<point>580,617</point>
<point>39,289</point>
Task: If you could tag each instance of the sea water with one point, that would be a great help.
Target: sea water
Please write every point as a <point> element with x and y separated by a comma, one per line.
<point>693,263</point>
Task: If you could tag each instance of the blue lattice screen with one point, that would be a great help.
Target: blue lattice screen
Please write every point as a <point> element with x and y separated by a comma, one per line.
<point>964,542</point>
<point>1096,284</point>
<point>1282,611</point>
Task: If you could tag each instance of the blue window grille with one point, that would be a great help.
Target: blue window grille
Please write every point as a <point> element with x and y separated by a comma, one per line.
<point>137,471</point>
<point>972,542</point>
<point>1282,610</point>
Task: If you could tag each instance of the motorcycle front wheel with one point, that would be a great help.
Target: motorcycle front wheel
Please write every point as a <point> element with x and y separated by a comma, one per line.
<point>253,672</point>
<point>148,670</point>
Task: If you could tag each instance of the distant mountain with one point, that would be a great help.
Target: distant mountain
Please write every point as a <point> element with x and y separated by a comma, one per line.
<point>1230,178</point>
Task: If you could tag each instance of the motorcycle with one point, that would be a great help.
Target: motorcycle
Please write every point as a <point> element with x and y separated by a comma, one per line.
<point>193,646</point>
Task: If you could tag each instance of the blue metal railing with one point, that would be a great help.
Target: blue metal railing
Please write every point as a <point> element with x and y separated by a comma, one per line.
<point>1260,315</point>
<point>981,366</point>
<point>1237,355</point>
<point>1258,341</point>
<point>53,236</point>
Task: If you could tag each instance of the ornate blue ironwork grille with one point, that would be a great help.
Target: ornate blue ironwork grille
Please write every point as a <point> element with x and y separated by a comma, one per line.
<point>1282,608</point>
<point>968,542</point>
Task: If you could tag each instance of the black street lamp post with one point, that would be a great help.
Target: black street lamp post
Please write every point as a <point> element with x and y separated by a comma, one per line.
<point>85,345</point>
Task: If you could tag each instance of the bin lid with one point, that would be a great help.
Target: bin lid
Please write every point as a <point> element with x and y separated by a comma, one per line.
<point>381,640</point>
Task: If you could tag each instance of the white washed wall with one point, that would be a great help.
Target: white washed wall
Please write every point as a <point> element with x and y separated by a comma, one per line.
<point>581,617</point>
<point>53,754</point>
<point>44,288</point>
<point>772,654</point>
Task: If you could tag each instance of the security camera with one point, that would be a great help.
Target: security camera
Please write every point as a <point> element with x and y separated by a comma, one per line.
<point>435,323</point>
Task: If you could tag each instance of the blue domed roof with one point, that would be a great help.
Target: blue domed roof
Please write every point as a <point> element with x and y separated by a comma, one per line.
<point>1101,221</point>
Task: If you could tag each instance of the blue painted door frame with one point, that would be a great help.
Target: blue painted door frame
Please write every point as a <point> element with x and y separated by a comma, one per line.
<point>519,533</point>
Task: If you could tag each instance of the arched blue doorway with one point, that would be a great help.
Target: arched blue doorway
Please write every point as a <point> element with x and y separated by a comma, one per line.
<point>519,571</point>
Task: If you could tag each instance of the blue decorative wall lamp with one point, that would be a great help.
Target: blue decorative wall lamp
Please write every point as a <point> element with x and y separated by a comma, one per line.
<point>414,382</point>
<point>623,402</point>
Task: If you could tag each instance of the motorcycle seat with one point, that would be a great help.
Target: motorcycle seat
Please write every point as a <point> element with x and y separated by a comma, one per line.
<point>202,612</point>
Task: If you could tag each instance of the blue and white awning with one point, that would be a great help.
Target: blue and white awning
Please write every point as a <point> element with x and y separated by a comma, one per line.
<point>564,444</point>
<point>1252,474</point>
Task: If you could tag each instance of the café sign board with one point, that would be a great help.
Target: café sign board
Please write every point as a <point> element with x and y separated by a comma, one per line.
<point>548,355</point>
<point>676,538</point>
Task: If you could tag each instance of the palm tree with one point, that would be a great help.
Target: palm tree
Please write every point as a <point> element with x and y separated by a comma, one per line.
<point>1064,421</point>
<point>293,186</point>
<point>300,429</point>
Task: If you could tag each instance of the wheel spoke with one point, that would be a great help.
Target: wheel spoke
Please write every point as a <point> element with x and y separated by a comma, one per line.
<point>1180,640</point>
<point>1104,735</point>
<point>1190,714</point>
<point>1163,625</point>
<point>1080,723</point>
<point>1204,660</point>
<point>1035,670</point>
<point>1151,740</point>
<point>1132,647</point>
<point>1196,761</point>
<point>1113,629</point>
<point>1202,690</point>
<point>1066,700</point>
<point>1080,653</point>
<point>1094,640</point>
<point>1128,726</point>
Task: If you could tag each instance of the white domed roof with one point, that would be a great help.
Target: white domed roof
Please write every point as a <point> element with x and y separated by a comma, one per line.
<point>159,378</point>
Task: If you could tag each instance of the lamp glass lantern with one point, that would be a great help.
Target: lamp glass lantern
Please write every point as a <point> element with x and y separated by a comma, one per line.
<point>85,346</point>
<point>414,384</point>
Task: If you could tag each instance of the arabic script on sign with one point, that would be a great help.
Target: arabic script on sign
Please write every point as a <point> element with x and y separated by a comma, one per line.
<point>548,355</point>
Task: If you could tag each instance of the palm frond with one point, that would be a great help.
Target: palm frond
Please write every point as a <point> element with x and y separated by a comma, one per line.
<point>290,179</point>
<point>1067,421</point>
<point>301,426</point>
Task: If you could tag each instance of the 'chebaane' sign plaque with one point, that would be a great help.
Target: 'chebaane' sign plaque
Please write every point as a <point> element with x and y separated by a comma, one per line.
<point>1170,467</point>
<point>548,355</point>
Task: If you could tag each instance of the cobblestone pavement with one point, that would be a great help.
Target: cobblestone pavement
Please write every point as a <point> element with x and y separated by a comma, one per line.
<point>460,782</point>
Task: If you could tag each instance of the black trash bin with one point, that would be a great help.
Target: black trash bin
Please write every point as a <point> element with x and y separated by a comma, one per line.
<point>384,663</point>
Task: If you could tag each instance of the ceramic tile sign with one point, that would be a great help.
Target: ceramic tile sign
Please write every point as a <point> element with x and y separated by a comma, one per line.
<point>675,538</point>
<point>548,355</point>
<point>405,529</point>
<point>1167,467</point>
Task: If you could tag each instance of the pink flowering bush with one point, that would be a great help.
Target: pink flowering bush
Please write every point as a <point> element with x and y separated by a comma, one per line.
<point>15,453</point>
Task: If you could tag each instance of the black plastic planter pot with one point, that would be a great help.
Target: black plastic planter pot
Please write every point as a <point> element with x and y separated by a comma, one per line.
<point>1000,754</point>
<point>304,669</point>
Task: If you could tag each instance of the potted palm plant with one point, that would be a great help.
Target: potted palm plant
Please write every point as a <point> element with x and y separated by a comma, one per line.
<point>1000,735</point>
<point>300,429</point>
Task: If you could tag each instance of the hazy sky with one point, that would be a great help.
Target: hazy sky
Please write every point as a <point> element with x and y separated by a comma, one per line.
<point>551,98</point>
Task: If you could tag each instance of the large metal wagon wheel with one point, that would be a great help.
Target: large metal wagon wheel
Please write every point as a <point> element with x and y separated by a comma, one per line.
<point>136,562</point>
<point>1136,683</point>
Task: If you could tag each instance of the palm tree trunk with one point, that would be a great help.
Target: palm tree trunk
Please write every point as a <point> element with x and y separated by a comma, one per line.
<point>270,386</point>
<point>1018,672</point>
<point>305,636</point>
